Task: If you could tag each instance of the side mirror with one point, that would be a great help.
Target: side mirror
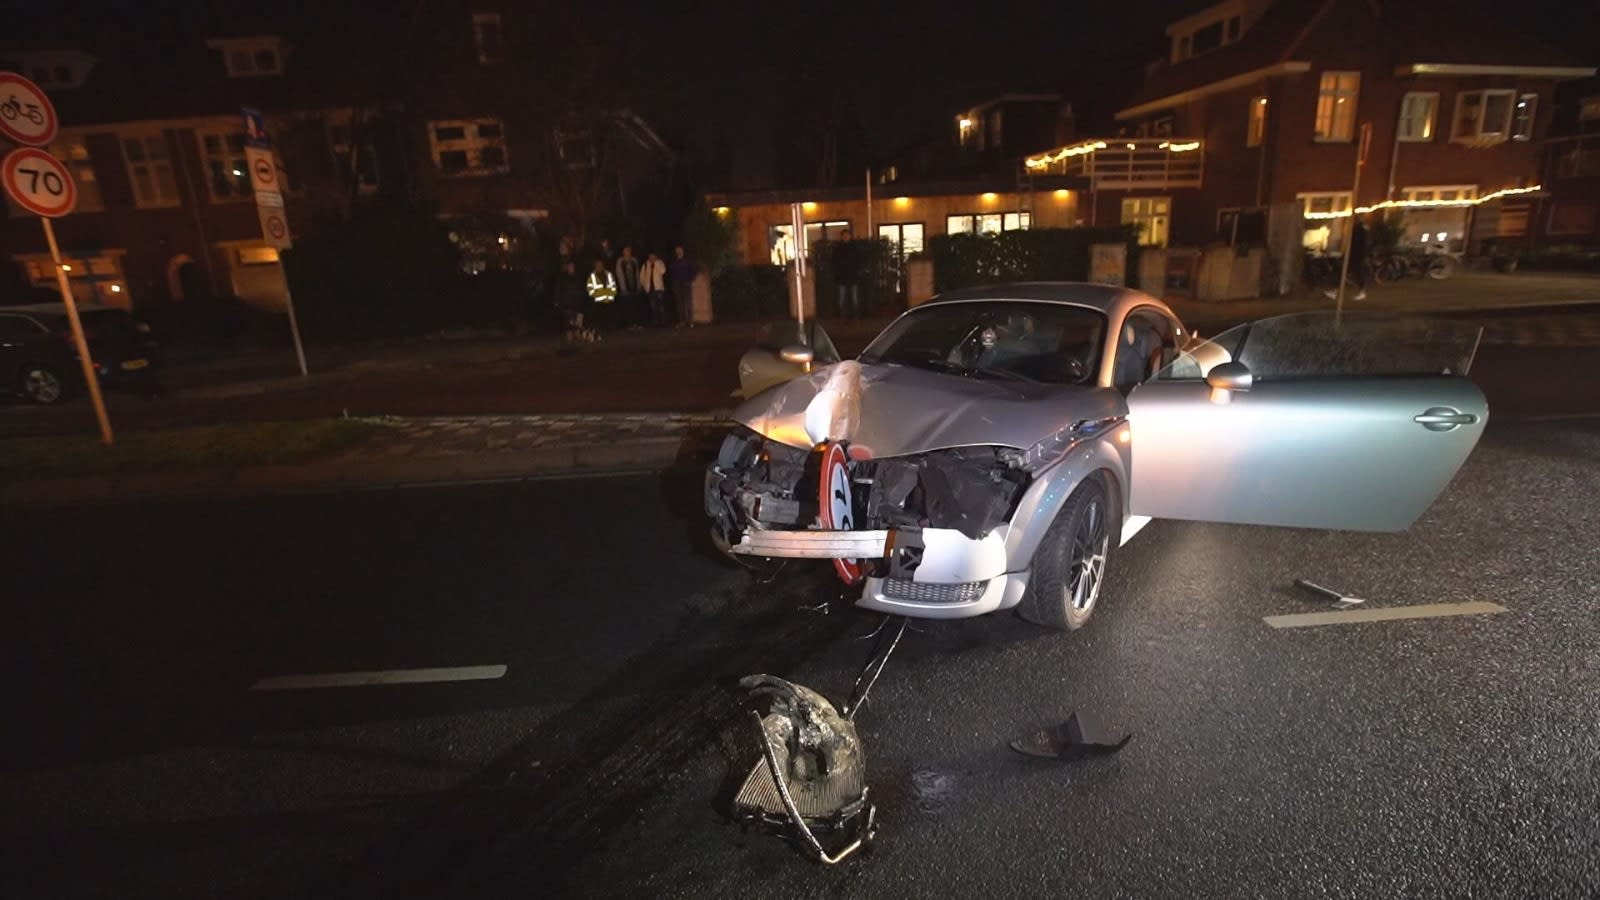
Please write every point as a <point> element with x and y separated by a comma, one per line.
<point>1225,378</point>
<point>799,354</point>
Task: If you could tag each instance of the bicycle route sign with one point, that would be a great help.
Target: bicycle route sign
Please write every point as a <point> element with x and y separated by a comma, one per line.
<point>38,182</point>
<point>26,114</point>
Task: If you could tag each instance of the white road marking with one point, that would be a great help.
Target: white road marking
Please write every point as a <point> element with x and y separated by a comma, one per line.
<point>387,676</point>
<point>1388,614</point>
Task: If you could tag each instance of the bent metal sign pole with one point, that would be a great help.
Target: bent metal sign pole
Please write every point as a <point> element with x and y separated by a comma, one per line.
<point>42,185</point>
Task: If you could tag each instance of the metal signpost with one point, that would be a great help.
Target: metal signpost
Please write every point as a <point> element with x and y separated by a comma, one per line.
<point>263,168</point>
<point>1349,238</point>
<point>42,185</point>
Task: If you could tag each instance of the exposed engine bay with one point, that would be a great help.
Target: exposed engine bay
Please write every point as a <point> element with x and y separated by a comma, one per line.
<point>758,483</point>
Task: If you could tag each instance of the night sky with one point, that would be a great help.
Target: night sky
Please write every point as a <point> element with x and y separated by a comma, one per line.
<point>743,86</point>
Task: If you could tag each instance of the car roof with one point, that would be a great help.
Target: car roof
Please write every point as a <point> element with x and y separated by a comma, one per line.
<point>1106,298</point>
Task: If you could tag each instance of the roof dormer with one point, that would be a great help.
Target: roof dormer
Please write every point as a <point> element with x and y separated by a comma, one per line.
<point>1209,29</point>
<point>259,56</point>
<point>54,70</point>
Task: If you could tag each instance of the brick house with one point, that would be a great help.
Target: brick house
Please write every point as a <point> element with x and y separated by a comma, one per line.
<point>1247,134</point>
<point>421,115</point>
<point>1572,168</point>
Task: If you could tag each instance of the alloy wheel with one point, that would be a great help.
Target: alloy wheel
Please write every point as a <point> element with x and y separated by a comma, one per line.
<point>41,385</point>
<point>1090,546</point>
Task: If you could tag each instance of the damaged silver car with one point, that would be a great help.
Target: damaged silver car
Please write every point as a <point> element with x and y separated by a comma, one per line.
<point>992,448</point>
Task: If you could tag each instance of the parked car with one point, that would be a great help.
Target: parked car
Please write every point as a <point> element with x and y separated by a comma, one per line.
<point>39,357</point>
<point>992,448</point>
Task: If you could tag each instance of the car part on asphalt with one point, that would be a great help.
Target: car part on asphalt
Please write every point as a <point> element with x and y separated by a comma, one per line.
<point>1340,601</point>
<point>1079,737</point>
<point>810,782</point>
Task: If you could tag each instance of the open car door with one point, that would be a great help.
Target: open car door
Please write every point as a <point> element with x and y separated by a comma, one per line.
<point>1301,421</point>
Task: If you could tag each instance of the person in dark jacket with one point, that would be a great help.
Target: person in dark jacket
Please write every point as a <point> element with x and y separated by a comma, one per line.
<point>1360,259</point>
<point>572,301</point>
<point>681,273</point>
<point>847,277</point>
<point>630,294</point>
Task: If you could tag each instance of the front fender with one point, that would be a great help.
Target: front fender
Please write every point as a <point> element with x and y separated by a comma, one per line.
<point>1050,489</point>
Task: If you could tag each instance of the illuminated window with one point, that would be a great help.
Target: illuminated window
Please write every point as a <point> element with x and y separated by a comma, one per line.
<point>1336,106</point>
<point>1151,216</point>
<point>150,170</point>
<point>1522,117</point>
<point>1256,130</point>
<point>1483,116</point>
<point>486,34</point>
<point>1417,114</point>
<point>1325,235</point>
<point>904,239</point>
<point>469,146</point>
<point>1589,109</point>
<point>987,223</point>
<point>222,157</point>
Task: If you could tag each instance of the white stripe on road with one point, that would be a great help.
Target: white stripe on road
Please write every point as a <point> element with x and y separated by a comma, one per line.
<point>1353,616</point>
<point>388,676</point>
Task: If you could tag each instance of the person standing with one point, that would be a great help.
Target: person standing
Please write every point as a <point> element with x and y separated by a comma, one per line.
<point>571,302</point>
<point>630,300</point>
<point>602,288</point>
<point>606,254</point>
<point>847,277</point>
<point>654,281</point>
<point>681,273</point>
<point>1360,260</point>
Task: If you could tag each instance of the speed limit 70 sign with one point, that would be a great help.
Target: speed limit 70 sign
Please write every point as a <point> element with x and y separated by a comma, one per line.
<point>39,182</point>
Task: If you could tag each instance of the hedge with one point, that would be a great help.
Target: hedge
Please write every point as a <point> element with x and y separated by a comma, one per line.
<point>749,293</point>
<point>1045,254</point>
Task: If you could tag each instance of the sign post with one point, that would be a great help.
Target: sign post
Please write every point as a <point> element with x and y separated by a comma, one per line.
<point>263,168</point>
<point>40,184</point>
<point>1349,238</point>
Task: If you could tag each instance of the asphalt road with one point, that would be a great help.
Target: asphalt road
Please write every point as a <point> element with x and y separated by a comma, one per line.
<point>1432,757</point>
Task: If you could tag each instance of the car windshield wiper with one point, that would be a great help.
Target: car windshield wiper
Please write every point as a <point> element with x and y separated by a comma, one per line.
<point>1000,373</point>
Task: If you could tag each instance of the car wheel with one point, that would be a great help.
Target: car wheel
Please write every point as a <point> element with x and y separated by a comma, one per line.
<point>41,384</point>
<point>1070,565</point>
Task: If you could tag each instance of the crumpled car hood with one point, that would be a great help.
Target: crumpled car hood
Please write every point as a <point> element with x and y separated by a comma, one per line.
<point>890,410</point>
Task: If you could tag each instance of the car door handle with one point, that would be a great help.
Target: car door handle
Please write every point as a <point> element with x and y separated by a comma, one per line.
<point>1443,418</point>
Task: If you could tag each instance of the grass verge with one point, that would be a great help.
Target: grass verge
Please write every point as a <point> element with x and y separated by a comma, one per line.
<point>252,444</point>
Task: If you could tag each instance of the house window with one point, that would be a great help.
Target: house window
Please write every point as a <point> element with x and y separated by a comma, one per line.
<point>1207,39</point>
<point>74,153</point>
<point>469,146</point>
<point>1256,129</point>
<point>987,223</point>
<point>1151,217</point>
<point>251,57</point>
<point>780,238</point>
<point>1336,106</point>
<point>1589,109</point>
<point>1327,217</point>
<point>1233,29</point>
<point>222,156</point>
<point>486,34</point>
<point>150,170</point>
<point>257,256</point>
<point>1443,193</point>
<point>995,129</point>
<point>1571,218</point>
<point>1417,114</point>
<point>904,240</point>
<point>1483,116</point>
<point>576,148</point>
<point>1522,117</point>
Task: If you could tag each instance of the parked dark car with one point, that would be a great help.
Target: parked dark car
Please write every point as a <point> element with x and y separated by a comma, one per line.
<point>39,360</point>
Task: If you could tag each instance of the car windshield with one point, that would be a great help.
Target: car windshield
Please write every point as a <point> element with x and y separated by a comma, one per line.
<point>1052,343</point>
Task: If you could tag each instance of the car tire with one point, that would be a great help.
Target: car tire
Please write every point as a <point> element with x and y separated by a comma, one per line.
<point>1076,547</point>
<point>41,384</point>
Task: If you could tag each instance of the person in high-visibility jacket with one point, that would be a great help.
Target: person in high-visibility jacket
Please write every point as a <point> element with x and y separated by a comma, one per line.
<point>603,291</point>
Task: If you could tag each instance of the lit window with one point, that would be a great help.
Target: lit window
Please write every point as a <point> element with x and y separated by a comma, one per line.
<point>987,223</point>
<point>1483,116</point>
<point>1151,217</point>
<point>1325,235</point>
<point>1589,109</point>
<point>1336,106</point>
<point>469,147</point>
<point>222,157</point>
<point>150,170</point>
<point>1522,117</point>
<point>1256,130</point>
<point>958,225</point>
<point>1417,114</point>
<point>74,153</point>
<point>486,34</point>
<point>1017,221</point>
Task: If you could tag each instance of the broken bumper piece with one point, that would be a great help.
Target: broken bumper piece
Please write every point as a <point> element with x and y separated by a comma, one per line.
<point>814,544</point>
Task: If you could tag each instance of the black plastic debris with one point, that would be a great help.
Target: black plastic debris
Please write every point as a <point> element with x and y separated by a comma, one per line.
<point>1079,737</point>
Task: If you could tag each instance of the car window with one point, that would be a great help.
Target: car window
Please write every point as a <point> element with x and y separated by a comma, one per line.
<point>1319,345</point>
<point>17,328</point>
<point>1147,344</point>
<point>1054,343</point>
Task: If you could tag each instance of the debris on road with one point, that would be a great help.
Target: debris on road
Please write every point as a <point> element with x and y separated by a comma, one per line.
<point>1080,737</point>
<point>1340,601</point>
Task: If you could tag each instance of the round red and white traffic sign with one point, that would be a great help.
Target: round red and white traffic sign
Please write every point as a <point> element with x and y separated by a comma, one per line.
<point>39,182</point>
<point>837,505</point>
<point>26,114</point>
